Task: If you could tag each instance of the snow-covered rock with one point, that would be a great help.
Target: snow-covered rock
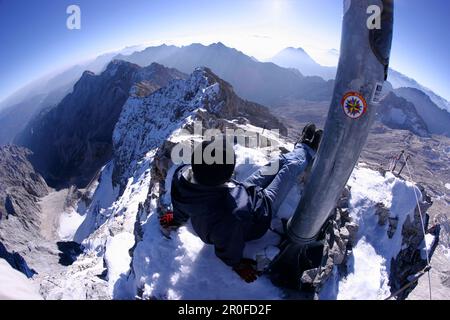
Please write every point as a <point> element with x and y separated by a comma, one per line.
<point>383,207</point>
<point>15,285</point>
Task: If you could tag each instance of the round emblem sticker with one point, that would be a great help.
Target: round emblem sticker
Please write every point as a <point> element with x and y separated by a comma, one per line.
<point>354,105</point>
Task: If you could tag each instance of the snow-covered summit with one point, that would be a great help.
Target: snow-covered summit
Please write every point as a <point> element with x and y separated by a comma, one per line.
<point>125,254</point>
<point>146,122</point>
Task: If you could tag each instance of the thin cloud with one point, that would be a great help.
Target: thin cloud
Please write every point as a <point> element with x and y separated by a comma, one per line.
<point>261,36</point>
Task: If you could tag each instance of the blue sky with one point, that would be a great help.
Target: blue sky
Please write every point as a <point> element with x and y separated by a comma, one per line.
<point>35,41</point>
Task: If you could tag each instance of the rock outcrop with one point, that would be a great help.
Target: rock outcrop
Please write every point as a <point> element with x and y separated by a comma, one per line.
<point>20,191</point>
<point>398,113</point>
<point>437,119</point>
<point>146,122</point>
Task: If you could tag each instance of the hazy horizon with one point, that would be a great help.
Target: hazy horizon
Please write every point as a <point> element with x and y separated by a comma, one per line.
<point>46,45</point>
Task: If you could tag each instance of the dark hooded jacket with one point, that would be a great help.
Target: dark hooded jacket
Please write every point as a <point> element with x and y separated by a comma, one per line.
<point>226,216</point>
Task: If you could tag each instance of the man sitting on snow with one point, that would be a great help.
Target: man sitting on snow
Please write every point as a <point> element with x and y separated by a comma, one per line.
<point>228,213</point>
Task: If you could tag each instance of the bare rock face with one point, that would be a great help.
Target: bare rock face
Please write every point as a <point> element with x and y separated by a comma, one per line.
<point>437,120</point>
<point>410,261</point>
<point>339,236</point>
<point>73,140</point>
<point>398,113</point>
<point>20,185</point>
<point>20,190</point>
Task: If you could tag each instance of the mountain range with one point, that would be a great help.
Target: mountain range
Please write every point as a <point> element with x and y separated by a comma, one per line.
<point>437,120</point>
<point>299,59</point>
<point>263,82</point>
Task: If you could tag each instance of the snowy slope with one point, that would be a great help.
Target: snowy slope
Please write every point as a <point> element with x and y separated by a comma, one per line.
<point>176,268</point>
<point>374,250</point>
<point>15,285</point>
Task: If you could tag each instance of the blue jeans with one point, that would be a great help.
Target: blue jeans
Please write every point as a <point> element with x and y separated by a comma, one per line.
<point>277,186</point>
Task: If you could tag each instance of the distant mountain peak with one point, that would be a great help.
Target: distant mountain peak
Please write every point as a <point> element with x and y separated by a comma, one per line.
<point>298,58</point>
<point>88,73</point>
<point>299,49</point>
<point>399,80</point>
<point>265,83</point>
<point>219,44</point>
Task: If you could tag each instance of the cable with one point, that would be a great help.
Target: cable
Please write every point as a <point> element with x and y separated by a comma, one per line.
<point>423,226</point>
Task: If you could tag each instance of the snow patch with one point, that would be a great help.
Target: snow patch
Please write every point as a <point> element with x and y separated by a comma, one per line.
<point>427,245</point>
<point>69,223</point>
<point>117,256</point>
<point>95,215</point>
<point>369,265</point>
<point>15,285</point>
<point>369,277</point>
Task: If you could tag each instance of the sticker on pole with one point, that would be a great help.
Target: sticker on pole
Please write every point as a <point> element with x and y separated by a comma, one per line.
<point>377,93</point>
<point>354,105</point>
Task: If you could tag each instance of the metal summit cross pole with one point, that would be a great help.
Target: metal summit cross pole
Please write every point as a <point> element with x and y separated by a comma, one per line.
<point>363,68</point>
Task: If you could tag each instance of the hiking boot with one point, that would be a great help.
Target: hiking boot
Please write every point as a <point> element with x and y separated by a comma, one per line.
<point>316,140</point>
<point>308,133</point>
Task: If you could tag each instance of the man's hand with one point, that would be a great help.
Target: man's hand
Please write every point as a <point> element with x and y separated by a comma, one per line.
<point>247,270</point>
<point>166,220</point>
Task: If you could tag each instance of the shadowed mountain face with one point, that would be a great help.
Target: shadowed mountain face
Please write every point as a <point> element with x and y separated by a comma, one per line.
<point>20,190</point>
<point>437,120</point>
<point>15,118</point>
<point>18,109</point>
<point>265,83</point>
<point>73,140</point>
<point>398,113</point>
<point>399,80</point>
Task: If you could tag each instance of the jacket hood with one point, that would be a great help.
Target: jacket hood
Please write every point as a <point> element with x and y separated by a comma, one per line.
<point>195,198</point>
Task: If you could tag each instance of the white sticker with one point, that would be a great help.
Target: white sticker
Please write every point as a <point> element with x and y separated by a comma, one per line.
<point>377,93</point>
